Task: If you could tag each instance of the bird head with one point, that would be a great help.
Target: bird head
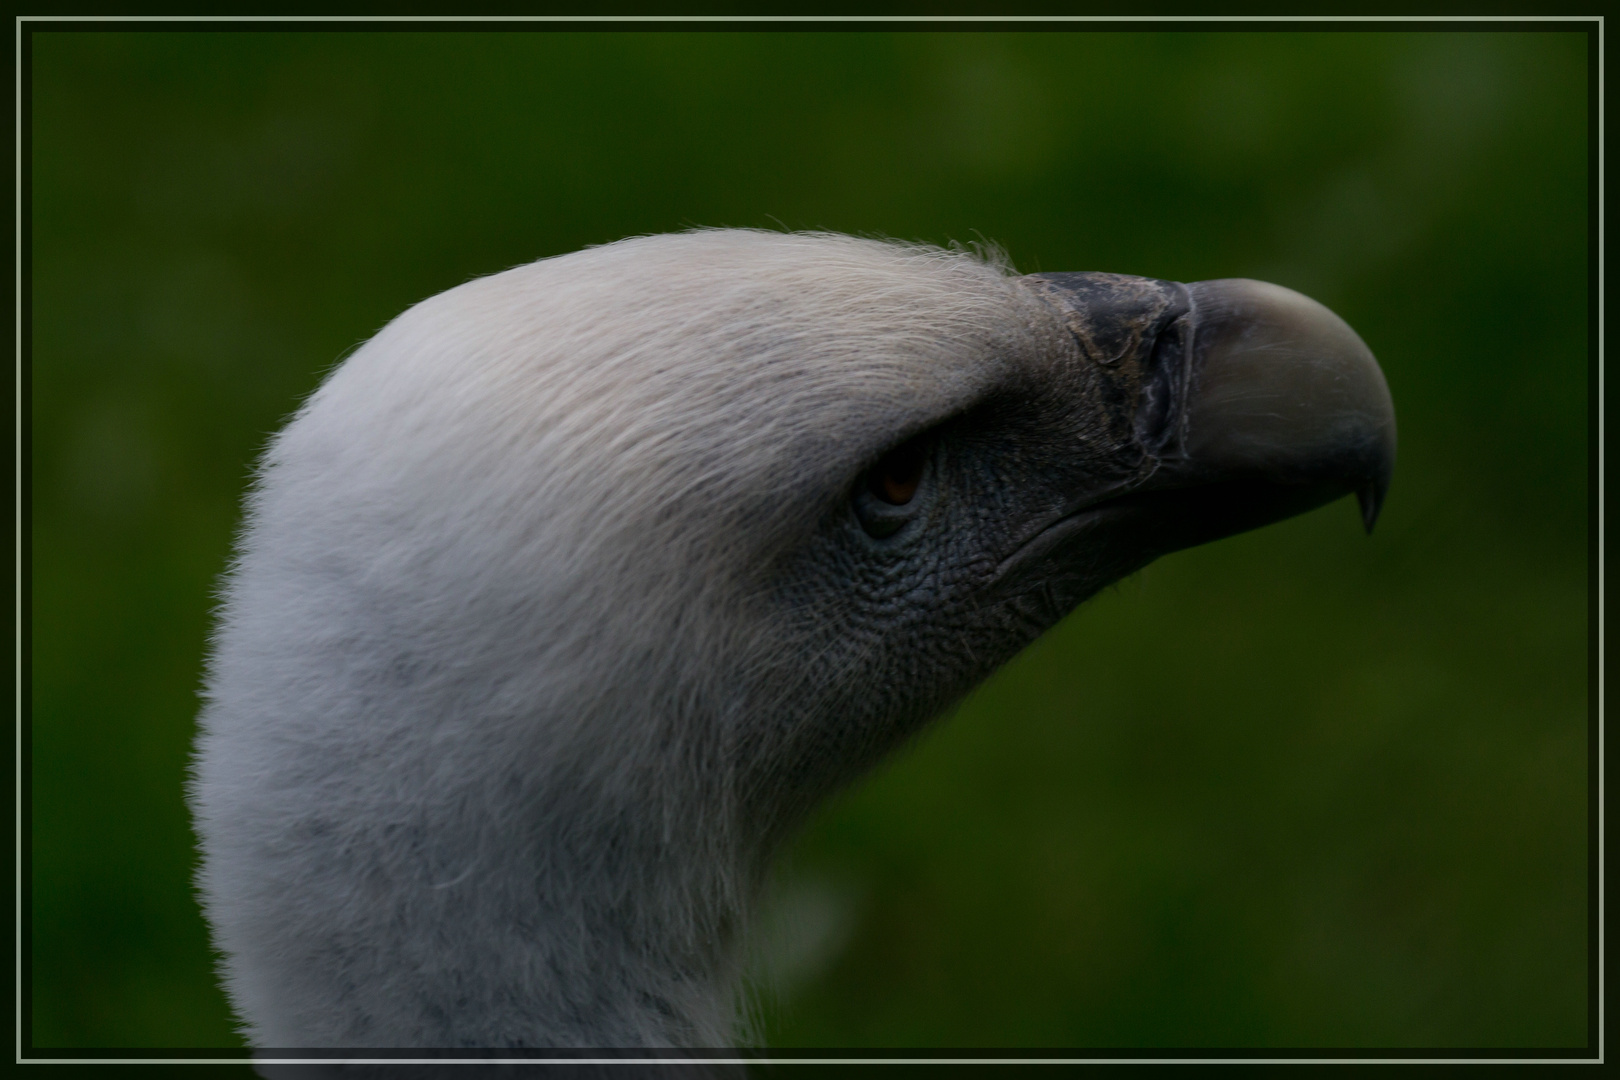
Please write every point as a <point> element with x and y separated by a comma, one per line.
<point>590,578</point>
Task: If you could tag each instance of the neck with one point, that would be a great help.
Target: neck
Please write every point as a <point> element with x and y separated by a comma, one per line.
<point>418,857</point>
<point>559,910</point>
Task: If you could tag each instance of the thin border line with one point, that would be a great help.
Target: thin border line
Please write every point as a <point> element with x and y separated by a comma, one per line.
<point>1602,536</point>
<point>1018,19</point>
<point>814,18</point>
<point>810,1061</point>
<point>17,595</point>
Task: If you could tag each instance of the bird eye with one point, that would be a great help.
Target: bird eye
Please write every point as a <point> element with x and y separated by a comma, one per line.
<point>895,477</point>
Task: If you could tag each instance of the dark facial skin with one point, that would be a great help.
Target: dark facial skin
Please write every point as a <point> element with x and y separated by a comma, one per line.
<point>962,543</point>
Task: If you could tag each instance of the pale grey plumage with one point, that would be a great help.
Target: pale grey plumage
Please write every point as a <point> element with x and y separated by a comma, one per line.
<point>556,608</point>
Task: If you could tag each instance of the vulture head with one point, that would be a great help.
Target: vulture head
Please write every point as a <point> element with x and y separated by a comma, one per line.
<point>568,595</point>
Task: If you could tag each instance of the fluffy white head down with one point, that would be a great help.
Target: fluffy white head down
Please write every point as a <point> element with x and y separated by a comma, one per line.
<point>490,666</point>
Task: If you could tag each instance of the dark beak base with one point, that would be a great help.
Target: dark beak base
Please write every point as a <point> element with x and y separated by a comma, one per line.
<point>1270,405</point>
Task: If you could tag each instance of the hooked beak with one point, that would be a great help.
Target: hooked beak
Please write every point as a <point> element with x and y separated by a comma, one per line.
<point>1253,403</point>
<point>1283,392</point>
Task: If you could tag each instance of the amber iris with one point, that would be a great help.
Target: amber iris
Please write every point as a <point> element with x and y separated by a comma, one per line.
<point>895,477</point>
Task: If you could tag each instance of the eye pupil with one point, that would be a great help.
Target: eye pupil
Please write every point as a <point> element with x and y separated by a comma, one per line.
<point>895,477</point>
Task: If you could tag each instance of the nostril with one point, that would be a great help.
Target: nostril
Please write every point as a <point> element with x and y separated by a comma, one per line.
<point>1161,383</point>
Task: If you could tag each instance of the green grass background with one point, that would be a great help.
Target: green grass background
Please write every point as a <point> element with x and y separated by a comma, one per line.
<point>1296,788</point>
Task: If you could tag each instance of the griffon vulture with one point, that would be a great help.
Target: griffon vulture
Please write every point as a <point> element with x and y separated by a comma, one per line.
<point>565,597</point>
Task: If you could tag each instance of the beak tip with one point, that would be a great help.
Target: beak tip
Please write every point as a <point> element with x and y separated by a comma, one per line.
<point>1371,498</point>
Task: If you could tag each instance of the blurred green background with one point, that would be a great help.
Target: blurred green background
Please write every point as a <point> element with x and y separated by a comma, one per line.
<point>1297,788</point>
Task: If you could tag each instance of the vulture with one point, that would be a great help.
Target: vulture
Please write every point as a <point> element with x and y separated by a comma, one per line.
<point>565,598</point>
